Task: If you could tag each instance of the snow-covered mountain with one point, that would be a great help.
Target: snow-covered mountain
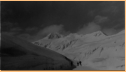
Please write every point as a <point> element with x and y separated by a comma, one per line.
<point>94,50</point>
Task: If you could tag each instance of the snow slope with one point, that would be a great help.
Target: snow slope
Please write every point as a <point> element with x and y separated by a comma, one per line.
<point>20,54</point>
<point>94,50</point>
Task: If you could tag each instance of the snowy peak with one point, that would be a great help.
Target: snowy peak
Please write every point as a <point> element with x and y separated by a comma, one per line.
<point>56,41</point>
<point>95,36</point>
<point>72,40</point>
<point>53,36</point>
<point>122,32</point>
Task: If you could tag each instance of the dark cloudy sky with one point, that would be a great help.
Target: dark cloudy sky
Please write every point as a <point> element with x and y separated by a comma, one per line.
<point>34,18</point>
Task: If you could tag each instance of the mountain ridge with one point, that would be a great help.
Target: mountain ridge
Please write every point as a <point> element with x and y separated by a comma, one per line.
<point>86,48</point>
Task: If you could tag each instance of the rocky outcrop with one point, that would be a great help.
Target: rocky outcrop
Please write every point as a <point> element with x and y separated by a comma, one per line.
<point>53,36</point>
